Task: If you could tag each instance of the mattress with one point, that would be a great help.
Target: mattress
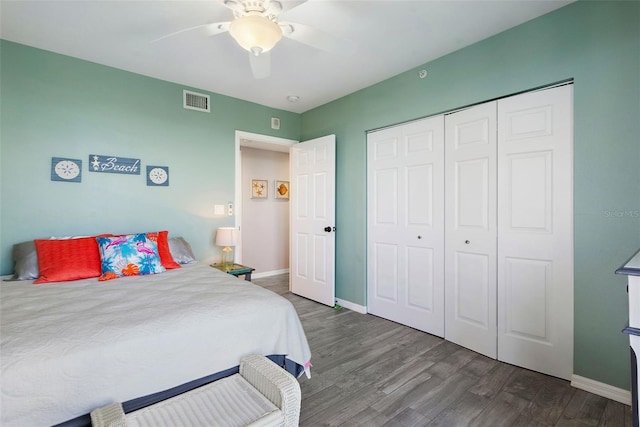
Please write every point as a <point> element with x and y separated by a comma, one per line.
<point>68,348</point>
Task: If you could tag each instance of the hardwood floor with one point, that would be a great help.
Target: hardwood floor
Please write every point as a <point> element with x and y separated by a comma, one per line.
<point>368,371</point>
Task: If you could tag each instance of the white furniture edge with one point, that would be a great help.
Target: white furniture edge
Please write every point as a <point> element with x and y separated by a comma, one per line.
<point>276,384</point>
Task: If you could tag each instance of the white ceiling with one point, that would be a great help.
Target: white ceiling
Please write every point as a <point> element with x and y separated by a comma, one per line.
<point>378,39</point>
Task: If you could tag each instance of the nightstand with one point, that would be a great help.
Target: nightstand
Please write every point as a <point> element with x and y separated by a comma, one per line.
<point>236,270</point>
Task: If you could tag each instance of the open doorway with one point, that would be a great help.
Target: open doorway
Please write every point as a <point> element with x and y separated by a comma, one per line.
<point>263,220</point>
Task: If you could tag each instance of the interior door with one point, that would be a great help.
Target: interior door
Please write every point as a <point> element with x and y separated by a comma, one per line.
<point>405,224</point>
<point>535,231</point>
<point>312,222</point>
<point>470,228</point>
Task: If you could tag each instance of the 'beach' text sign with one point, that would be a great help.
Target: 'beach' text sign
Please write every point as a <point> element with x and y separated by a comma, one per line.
<point>114,164</point>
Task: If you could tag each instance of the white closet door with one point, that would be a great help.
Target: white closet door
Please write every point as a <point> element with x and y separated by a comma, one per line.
<point>470,236</point>
<point>535,231</point>
<point>405,224</point>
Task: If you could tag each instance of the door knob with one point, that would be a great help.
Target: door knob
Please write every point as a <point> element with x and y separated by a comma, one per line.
<point>419,237</point>
<point>467,242</point>
<point>327,229</point>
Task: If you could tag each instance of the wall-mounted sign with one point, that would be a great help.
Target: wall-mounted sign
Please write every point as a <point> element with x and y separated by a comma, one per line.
<point>68,170</point>
<point>113,164</point>
<point>158,176</point>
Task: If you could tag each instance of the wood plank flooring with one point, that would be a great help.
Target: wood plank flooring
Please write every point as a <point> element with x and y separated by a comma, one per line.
<point>368,371</point>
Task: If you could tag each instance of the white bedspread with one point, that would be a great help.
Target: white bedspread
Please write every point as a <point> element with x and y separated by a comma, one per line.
<point>68,348</point>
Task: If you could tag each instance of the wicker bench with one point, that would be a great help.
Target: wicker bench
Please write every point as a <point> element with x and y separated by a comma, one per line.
<point>262,394</point>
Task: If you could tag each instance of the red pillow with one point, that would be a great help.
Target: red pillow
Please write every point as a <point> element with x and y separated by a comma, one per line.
<point>67,259</point>
<point>162,240</point>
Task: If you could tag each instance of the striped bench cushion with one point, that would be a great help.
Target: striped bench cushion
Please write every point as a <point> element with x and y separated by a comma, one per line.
<point>228,402</point>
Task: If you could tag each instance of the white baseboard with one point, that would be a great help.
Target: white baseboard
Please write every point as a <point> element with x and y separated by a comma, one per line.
<point>601,389</point>
<point>351,306</point>
<point>269,273</point>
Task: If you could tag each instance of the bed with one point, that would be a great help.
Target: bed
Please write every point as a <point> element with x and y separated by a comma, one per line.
<point>70,347</point>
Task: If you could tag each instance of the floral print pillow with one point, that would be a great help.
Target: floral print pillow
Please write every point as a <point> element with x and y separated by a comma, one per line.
<point>128,255</point>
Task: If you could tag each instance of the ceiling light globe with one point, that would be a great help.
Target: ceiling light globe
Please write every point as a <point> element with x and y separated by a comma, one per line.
<point>255,33</point>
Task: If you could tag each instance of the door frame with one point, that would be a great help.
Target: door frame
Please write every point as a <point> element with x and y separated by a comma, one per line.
<point>261,142</point>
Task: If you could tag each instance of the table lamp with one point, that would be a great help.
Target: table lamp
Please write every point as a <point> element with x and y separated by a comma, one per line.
<point>227,237</point>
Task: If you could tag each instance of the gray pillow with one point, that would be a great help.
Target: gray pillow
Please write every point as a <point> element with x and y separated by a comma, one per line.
<point>181,251</point>
<point>25,259</point>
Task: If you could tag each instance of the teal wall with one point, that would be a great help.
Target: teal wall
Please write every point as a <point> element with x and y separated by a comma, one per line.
<point>51,105</point>
<point>56,106</point>
<point>598,45</point>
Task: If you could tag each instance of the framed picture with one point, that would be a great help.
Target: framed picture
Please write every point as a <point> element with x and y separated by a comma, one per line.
<point>282,190</point>
<point>259,188</point>
<point>66,170</point>
<point>158,176</point>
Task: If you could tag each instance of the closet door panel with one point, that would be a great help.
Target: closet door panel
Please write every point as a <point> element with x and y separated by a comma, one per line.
<point>385,183</point>
<point>535,231</point>
<point>529,177</point>
<point>420,203</point>
<point>405,224</point>
<point>386,272</point>
<point>419,268</point>
<point>472,195</point>
<point>526,291</point>
<point>472,289</point>
<point>470,228</point>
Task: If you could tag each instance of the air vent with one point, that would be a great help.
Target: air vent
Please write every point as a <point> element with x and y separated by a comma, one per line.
<point>196,101</point>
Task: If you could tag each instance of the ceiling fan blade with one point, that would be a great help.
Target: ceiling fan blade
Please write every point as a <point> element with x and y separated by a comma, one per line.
<point>235,5</point>
<point>290,4</point>
<point>218,28</point>
<point>260,65</point>
<point>213,29</point>
<point>316,38</point>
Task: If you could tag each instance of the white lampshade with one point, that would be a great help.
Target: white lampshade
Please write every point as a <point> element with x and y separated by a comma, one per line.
<point>255,33</point>
<point>227,236</point>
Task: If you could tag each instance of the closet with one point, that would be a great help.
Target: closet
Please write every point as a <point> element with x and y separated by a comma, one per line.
<point>470,228</point>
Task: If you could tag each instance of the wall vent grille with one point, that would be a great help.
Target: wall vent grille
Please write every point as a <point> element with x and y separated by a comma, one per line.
<point>196,101</point>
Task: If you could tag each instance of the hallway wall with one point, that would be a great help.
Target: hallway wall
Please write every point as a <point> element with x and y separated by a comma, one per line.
<point>265,222</point>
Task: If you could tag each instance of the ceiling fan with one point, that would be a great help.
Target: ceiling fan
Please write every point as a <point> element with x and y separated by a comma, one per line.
<point>256,29</point>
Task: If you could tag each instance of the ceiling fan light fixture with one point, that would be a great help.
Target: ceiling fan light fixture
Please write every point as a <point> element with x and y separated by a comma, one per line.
<point>255,33</point>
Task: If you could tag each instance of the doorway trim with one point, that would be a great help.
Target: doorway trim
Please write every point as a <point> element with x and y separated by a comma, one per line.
<point>261,142</point>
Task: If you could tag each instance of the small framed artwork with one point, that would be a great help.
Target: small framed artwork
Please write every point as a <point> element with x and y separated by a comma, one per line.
<point>158,176</point>
<point>259,189</point>
<point>66,170</point>
<point>282,189</point>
